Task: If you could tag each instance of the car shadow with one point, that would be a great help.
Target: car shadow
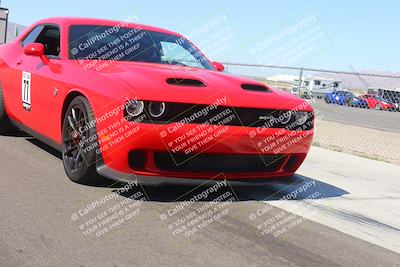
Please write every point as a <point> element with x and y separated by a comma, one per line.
<point>44,147</point>
<point>99,181</point>
<point>16,134</point>
<point>297,187</point>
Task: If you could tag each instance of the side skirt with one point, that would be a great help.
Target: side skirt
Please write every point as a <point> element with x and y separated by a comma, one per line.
<point>37,135</point>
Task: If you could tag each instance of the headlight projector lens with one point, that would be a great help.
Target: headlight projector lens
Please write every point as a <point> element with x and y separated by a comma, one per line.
<point>301,117</point>
<point>285,116</point>
<point>134,108</point>
<point>156,109</point>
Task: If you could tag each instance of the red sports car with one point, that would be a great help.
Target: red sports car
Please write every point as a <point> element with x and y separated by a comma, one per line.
<point>378,102</point>
<point>129,101</point>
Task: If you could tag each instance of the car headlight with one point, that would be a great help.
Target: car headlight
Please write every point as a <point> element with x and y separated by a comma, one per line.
<point>134,107</point>
<point>285,116</point>
<point>156,109</point>
<point>301,117</point>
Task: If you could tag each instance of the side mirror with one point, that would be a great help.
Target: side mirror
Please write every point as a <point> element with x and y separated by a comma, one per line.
<point>36,50</point>
<point>218,66</point>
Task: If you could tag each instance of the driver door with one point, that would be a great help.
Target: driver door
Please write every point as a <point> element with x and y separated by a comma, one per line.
<point>38,84</point>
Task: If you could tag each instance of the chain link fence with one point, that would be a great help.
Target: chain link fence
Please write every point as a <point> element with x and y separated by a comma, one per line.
<point>356,112</point>
<point>319,82</point>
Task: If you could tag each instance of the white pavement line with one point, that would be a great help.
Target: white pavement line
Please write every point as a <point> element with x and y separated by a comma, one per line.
<point>360,197</point>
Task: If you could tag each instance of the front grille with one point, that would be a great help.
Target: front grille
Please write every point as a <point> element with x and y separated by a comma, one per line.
<point>249,117</point>
<point>216,163</point>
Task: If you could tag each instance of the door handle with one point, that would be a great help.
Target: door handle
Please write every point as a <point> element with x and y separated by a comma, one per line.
<point>19,62</point>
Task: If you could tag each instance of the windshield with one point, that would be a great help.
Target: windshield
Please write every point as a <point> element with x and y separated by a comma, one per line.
<point>87,42</point>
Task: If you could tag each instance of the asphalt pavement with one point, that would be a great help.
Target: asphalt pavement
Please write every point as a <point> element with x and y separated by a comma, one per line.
<point>325,216</point>
<point>369,118</point>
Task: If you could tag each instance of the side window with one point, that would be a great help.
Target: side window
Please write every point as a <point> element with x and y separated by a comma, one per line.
<point>31,37</point>
<point>50,38</point>
<point>317,82</point>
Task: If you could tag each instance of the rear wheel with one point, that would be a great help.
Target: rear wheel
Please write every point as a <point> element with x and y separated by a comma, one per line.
<point>378,107</point>
<point>5,125</point>
<point>79,142</point>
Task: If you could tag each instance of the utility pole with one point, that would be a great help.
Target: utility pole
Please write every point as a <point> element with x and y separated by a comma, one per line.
<point>300,82</point>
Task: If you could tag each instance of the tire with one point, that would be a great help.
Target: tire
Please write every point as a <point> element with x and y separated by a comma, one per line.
<point>378,107</point>
<point>5,125</point>
<point>78,150</point>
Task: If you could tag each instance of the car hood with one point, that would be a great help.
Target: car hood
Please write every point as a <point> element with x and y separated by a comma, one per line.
<point>149,82</point>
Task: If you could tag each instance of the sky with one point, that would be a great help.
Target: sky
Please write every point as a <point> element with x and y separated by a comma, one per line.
<point>340,35</point>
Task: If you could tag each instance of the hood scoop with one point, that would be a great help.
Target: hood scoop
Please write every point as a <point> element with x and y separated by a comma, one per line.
<point>185,82</point>
<point>254,87</point>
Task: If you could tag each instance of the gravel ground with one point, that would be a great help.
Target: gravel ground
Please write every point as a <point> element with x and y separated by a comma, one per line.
<point>356,140</point>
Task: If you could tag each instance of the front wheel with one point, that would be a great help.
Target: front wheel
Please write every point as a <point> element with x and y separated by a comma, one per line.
<point>378,107</point>
<point>79,142</point>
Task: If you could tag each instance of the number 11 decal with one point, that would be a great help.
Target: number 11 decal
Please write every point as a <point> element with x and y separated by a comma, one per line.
<point>26,90</point>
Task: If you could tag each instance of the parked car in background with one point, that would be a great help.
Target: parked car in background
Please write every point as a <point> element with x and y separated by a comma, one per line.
<point>377,102</point>
<point>345,98</point>
<point>353,101</point>
<point>391,94</point>
<point>336,97</point>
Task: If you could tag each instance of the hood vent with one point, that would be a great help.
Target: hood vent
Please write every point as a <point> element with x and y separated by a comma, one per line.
<point>255,87</point>
<point>185,82</point>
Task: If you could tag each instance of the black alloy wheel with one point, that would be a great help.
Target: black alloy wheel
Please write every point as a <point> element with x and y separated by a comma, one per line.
<point>79,142</point>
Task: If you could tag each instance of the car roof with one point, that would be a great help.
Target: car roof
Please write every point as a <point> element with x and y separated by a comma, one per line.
<point>101,22</point>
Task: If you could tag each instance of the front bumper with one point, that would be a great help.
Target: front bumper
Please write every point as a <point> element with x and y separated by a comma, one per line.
<point>147,180</point>
<point>155,152</point>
